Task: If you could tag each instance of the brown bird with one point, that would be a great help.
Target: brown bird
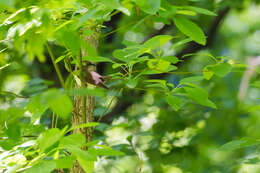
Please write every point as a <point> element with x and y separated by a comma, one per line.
<point>96,79</point>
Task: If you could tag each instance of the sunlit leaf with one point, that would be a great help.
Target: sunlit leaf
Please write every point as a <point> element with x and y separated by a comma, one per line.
<point>36,107</point>
<point>88,166</point>
<point>199,95</point>
<point>180,43</point>
<point>76,140</point>
<point>153,71</point>
<point>241,143</point>
<point>128,54</point>
<point>48,138</point>
<point>59,102</point>
<point>200,10</point>
<point>114,4</point>
<point>157,41</point>
<point>171,59</point>
<point>207,73</point>
<point>190,29</point>
<point>186,12</point>
<point>45,166</point>
<point>174,101</point>
<point>82,154</point>
<point>148,6</point>
<point>70,39</point>
<point>191,79</point>
<point>158,64</point>
<point>97,59</point>
<point>107,152</point>
<point>60,59</point>
<point>66,162</point>
<point>221,69</point>
<point>91,124</point>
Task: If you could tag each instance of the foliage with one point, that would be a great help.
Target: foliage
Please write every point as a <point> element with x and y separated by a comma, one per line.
<point>176,120</point>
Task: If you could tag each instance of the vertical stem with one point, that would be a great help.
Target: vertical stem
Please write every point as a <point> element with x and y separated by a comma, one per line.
<point>83,81</point>
<point>52,120</point>
<point>83,105</point>
<point>55,65</point>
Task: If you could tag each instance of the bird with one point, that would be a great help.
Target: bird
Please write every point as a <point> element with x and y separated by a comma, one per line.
<point>96,79</point>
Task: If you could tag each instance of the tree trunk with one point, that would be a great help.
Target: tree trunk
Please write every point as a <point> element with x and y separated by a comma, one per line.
<point>84,105</point>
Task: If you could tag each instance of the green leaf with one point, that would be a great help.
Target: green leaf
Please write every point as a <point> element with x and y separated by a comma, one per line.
<point>88,166</point>
<point>114,4</point>
<point>200,10</point>
<point>180,43</point>
<point>157,41</point>
<point>13,131</point>
<point>66,162</point>
<point>36,107</point>
<point>92,124</point>
<point>191,79</point>
<point>11,115</point>
<point>92,13</point>
<point>199,95</point>
<point>48,138</point>
<point>70,39</point>
<point>128,54</point>
<point>221,69</point>
<point>107,152</point>
<point>148,72</point>
<point>60,58</point>
<point>241,143</point>
<point>76,140</point>
<point>207,74</point>
<point>148,6</point>
<point>186,12</point>
<point>42,167</point>
<point>87,91</point>
<point>59,102</point>
<point>171,59</point>
<point>35,47</point>
<point>82,154</point>
<point>116,65</point>
<point>158,64</point>
<point>131,83</point>
<point>7,3</point>
<point>174,102</point>
<point>190,29</point>
<point>156,83</point>
<point>96,59</point>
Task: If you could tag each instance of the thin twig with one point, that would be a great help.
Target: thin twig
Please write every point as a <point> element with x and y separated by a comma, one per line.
<point>109,104</point>
<point>55,66</point>
<point>11,93</point>
<point>82,79</point>
<point>118,29</point>
<point>52,120</point>
<point>140,162</point>
<point>56,122</point>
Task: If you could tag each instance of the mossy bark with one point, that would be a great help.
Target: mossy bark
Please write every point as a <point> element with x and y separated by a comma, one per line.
<point>84,105</point>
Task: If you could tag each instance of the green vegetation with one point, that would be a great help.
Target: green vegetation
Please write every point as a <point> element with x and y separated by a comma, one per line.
<point>145,86</point>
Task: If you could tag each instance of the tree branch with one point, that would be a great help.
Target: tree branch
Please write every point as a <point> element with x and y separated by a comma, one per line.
<point>55,66</point>
<point>194,47</point>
